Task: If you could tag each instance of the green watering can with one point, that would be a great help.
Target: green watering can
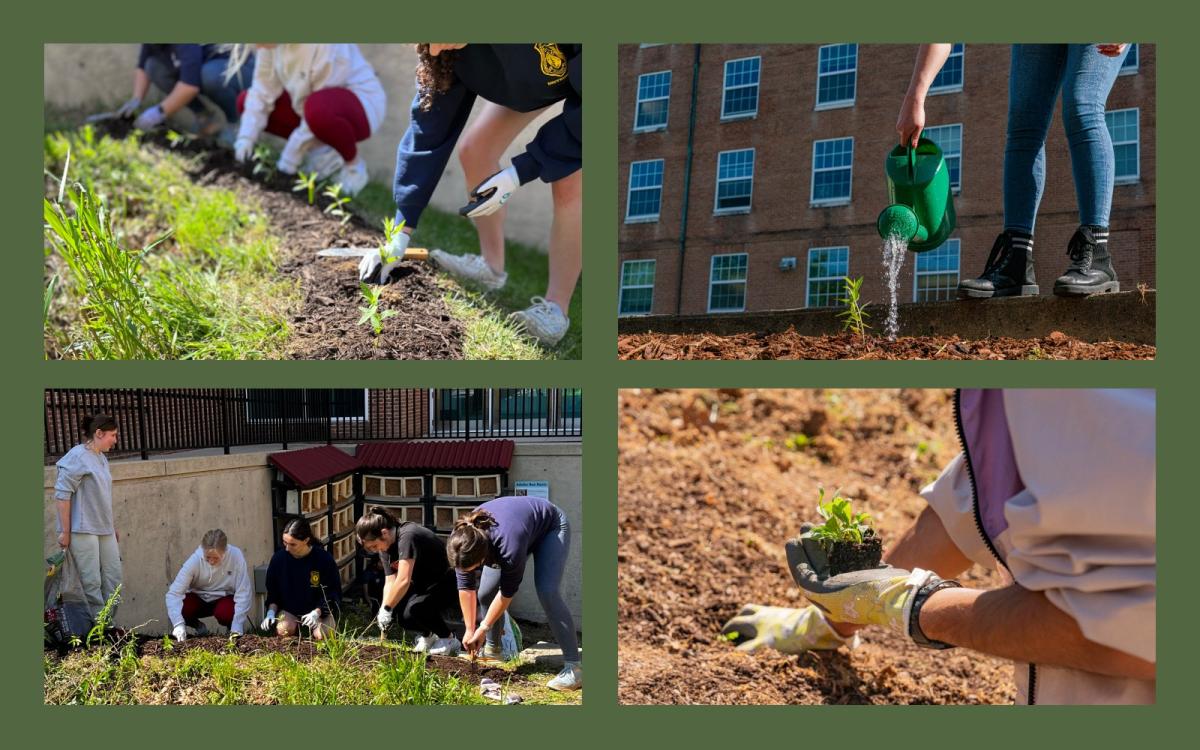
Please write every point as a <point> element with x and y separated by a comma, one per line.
<point>922,210</point>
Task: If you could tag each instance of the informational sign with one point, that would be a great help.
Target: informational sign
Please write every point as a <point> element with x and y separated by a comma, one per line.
<point>535,489</point>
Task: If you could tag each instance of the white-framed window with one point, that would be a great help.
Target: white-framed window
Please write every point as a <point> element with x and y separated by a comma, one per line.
<point>827,269</point>
<point>1129,66</point>
<point>739,97</point>
<point>514,412</point>
<point>950,78</point>
<point>637,287</point>
<point>1123,129</point>
<point>949,140</point>
<point>645,191</point>
<point>307,404</point>
<point>833,160</point>
<point>727,282</point>
<point>837,75</point>
<point>936,275</point>
<point>735,181</point>
<point>653,102</point>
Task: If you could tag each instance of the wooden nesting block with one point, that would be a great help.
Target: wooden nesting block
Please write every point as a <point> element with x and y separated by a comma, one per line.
<point>343,547</point>
<point>320,528</point>
<point>487,485</point>
<point>346,573</point>
<point>343,520</point>
<point>372,485</point>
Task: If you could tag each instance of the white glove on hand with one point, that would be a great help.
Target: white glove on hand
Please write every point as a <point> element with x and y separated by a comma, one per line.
<point>243,149</point>
<point>268,621</point>
<point>150,119</point>
<point>491,194</point>
<point>384,618</point>
<point>129,108</point>
<point>180,633</point>
<point>312,619</point>
<point>375,269</point>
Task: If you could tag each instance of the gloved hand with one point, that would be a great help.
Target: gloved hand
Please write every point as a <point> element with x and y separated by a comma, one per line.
<point>790,631</point>
<point>312,619</point>
<point>384,618</point>
<point>151,118</point>
<point>489,195</point>
<point>268,621</point>
<point>129,108</point>
<point>374,268</point>
<point>243,149</point>
<point>180,632</point>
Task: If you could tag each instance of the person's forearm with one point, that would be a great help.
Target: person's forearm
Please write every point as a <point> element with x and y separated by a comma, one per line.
<point>468,602</point>
<point>179,98</point>
<point>1015,623</point>
<point>496,610</point>
<point>930,59</point>
<point>141,83</point>
<point>925,544</point>
<point>399,589</point>
<point>64,515</point>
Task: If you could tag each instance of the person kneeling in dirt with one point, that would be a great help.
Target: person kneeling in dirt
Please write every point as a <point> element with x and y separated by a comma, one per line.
<point>518,82</point>
<point>1028,495</point>
<point>419,585</point>
<point>213,582</point>
<point>489,549</point>
<point>303,586</point>
<point>323,98</point>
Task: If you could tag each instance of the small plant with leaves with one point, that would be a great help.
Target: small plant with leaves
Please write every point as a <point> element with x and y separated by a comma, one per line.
<point>854,317</point>
<point>337,202</point>
<point>370,313</point>
<point>306,182</point>
<point>264,162</point>
<point>842,524</point>
<point>390,231</point>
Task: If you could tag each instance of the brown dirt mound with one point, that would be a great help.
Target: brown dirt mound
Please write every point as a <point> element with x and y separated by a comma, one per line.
<point>791,345</point>
<point>711,485</point>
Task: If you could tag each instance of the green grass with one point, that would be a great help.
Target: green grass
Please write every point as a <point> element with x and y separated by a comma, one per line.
<point>489,334</point>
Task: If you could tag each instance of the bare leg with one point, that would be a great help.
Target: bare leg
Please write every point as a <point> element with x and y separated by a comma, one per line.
<point>287,624</point>
<point>566,239</point>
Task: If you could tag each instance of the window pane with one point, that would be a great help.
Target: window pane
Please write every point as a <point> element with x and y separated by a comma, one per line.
<point>637,272</point>
<point>951,74</point>
<point>741,87</point>
<point>637,301</point>
<point>645,188</point>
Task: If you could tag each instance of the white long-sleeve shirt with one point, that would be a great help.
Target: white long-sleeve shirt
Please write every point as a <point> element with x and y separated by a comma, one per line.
<point>301,69</point>
<point>230,578</point>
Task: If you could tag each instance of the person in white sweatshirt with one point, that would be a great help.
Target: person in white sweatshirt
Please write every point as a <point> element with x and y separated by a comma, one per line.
<point>213,582</point>
<point>323,98</point>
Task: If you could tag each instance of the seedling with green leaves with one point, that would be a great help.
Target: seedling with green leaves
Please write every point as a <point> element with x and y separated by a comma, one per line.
<point>264,161</point>
<point>337,202</point>
<point>371,313</point>
<point>855,315</point>
<point>842,524</point>
<point>306,182</point>
<point>390,230</point>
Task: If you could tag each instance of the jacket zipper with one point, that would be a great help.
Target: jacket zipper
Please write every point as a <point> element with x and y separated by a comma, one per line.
<point>962,439</point>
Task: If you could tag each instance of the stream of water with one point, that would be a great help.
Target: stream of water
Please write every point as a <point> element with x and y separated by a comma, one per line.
<point>894,250</point>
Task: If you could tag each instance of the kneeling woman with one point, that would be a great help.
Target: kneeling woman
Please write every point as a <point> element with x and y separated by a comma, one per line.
<point>213,582</point>
<point>419,584</point>
<point>489,549</point>
<point>303,587</point>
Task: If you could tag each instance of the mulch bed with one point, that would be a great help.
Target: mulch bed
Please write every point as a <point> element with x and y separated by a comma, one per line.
<point>791,345</point>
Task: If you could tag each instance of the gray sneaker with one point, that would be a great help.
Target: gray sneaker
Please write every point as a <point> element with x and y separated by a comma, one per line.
<point>543,321</point>
<point>570,678</point>
<point>472,268</point>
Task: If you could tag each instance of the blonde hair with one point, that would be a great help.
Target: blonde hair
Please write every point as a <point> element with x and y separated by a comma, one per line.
<point>239,54</point>
<point>214,539</point>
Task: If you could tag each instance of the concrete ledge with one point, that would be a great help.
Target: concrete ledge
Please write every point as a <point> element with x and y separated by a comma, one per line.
<point>1125,316</point>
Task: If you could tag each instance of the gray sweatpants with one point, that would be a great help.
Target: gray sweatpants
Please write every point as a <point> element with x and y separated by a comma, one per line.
<point>99,562</point>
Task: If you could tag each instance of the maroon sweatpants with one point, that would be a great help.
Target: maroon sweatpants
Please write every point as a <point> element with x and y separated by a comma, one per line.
<point>194,608</point>
<point>335,116</point>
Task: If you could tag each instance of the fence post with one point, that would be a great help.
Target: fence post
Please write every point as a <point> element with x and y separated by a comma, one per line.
<point>329,424</point>
<point>283,415</point>
<point>141,402</point>
<point>222,401</point>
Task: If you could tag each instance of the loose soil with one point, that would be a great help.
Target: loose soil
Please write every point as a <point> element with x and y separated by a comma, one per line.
<point>710,491</point>
<point>791,345</point>
<point>326,325</point>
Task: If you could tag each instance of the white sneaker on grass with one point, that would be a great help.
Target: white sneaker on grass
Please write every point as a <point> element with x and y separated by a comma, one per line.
<point>472,268</point>
<point>543,320</point>
<point>570,678</point>
<point>324,160</point>
<point>353,177</point>
<point>445,647</point>
<point>423,643</point>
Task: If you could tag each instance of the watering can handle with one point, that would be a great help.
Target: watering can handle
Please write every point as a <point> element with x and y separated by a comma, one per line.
<point>912,162</point>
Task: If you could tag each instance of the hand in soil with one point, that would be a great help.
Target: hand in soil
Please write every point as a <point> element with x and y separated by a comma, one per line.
<point>789,631</point>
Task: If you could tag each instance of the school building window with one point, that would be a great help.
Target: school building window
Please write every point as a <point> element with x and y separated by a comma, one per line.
<point>827,269</point>
<point>949,140</point>
<point>1129,65</point>
<point>1123,129</point>
<point>740,96</point>
<point>837,75</point>
<point>936,277</point>
<point>645,190</point>
<point>727,282</point>
<point>735,181</point>
<point>832,163</point>
<point>637,287</point>
<point>950,77</point>
<point>653,100</point>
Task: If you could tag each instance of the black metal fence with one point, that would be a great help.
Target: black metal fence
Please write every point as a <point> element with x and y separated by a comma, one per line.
<point>159,420</point>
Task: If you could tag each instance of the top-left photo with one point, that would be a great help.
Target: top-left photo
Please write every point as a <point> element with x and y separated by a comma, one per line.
<point>313,201</point>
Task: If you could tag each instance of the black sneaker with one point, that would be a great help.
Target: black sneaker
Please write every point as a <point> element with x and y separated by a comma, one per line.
<point>1008,273</point>
<point>1091,270</point>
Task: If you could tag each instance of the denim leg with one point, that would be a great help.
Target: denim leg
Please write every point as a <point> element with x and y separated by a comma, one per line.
<point>1034,78</point>
<point>1088,79</point>
<point>221,93</point>
<point>549,561</point>
<point>489,586</point>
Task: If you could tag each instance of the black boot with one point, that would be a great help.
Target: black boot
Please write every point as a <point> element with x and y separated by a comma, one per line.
<point>1008,273</point>
<point>1091,270</point>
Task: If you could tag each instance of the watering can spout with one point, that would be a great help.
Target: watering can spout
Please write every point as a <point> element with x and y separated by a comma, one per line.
<point>898,220</point>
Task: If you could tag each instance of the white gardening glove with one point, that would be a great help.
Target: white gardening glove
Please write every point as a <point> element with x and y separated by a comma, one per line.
<point>151,118</point>
<point>268,621</point>
<point>312,619</point>
<point>180,632</point>
<point>243,149</point>
<point>489,195</point>
<point>384,618</point>
<point>375,269</point>
<point>790,631</point>
<point>129,108</point>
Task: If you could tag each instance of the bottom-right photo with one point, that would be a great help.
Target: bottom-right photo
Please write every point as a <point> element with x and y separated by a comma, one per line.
<point>910,546</point>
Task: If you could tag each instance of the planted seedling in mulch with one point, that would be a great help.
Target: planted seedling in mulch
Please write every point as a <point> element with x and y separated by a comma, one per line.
<point>846,539</point>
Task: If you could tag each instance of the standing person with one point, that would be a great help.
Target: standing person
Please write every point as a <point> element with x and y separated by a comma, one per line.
<point>489,549</point>
<point>517,82</point>
<point>323,98</point>
<point>83,489</point>
<point>303,586</point>
<point>213,582</point>
<point>1085,74</point>
<point>418,585</point>
<point>185,73</point>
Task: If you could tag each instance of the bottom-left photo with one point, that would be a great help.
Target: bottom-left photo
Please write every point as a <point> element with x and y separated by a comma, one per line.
<point>309,546</point>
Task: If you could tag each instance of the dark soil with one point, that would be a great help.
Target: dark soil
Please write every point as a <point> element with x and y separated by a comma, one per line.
<point>791,345</point>
<point>850,556</point>
<point>708,493</point>
<point>326,326</point>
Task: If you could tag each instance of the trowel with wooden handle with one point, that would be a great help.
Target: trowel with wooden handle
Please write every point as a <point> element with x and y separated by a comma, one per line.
<point>412,253</point>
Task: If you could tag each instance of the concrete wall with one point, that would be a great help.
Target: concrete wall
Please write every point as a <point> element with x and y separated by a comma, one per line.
<point>84,75</point>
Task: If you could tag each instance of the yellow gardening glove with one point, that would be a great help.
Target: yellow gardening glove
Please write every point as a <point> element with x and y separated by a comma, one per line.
<point>790,631</point>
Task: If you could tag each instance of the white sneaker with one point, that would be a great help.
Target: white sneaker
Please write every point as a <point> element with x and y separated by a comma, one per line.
<point>543,320</point>
<point>423,644</point>
<point>324,160</point>
<point>353,177</point>
<point>570,678</point>
<point>472,268</point>
<point>445,647</point>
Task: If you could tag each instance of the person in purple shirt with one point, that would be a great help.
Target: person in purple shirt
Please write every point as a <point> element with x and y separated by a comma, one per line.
<point>489,549</point>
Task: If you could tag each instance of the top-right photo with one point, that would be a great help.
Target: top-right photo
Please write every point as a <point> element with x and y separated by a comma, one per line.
<point>886,201</point>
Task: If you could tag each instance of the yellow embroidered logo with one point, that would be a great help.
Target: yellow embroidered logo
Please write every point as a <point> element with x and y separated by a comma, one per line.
<point>554,63</point>
<point>314,578</point>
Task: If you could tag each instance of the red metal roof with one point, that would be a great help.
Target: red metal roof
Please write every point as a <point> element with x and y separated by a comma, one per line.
<point>437,455</point>
<point>312,466</point>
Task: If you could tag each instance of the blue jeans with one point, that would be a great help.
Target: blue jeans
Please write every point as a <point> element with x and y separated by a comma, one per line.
<point>549,561</point>
<point>212,83</point>
<point>1085,76</point>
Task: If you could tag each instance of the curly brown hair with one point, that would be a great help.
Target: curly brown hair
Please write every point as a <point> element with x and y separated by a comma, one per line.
<point>434,74</point>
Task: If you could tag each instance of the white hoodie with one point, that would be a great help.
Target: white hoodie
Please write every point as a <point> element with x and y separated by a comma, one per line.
<point>210,583</point>
<point>302,69</point>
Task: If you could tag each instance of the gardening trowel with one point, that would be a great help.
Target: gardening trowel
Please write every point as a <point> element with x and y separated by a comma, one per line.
<point>101,117</point>
<point>412,253</point>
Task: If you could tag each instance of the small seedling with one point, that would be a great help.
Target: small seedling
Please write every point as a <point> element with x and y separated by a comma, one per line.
<point>167,645</point>
<point>390,230</point>
<point>855,315</point>
<point>176,138</point>
<point>842,524</point>
<point>264,161</point>
<point>338,202</point>
<point>799,441</point>
<point>371,313</point>
<point>307,182</point>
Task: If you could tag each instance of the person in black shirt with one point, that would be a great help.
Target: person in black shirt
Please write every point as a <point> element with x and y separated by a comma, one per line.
<point>303,586</point>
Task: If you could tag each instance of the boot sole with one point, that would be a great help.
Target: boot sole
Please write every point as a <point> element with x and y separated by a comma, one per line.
<point>1071,290</point>
<point>1026,290</point>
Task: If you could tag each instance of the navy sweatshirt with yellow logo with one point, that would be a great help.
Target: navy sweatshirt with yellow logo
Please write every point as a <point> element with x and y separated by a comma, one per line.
<point>523,77</point>
<point>301,584</point>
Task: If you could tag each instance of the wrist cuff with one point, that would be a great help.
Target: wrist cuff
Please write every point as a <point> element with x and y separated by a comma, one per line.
<point>914,620</point>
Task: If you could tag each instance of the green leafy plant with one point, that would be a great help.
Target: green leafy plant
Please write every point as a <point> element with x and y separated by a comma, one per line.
<point>337,202</point>
<point>799,441</point>
<point>306,182</point>
<point>842,524</point>
<point>855,315</point>
<point>264,161</point>
<point>177,139</point>
<point>390,230</point>
<point>371,313</point>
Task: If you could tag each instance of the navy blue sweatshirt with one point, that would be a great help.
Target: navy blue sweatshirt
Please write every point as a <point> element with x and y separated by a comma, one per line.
<point>523,77</point>
<point>300,585</point>
<point>188,59</point>
<point>521,522</point>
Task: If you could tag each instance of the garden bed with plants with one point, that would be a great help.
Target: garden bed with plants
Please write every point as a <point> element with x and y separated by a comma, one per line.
<point>712,484</point>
